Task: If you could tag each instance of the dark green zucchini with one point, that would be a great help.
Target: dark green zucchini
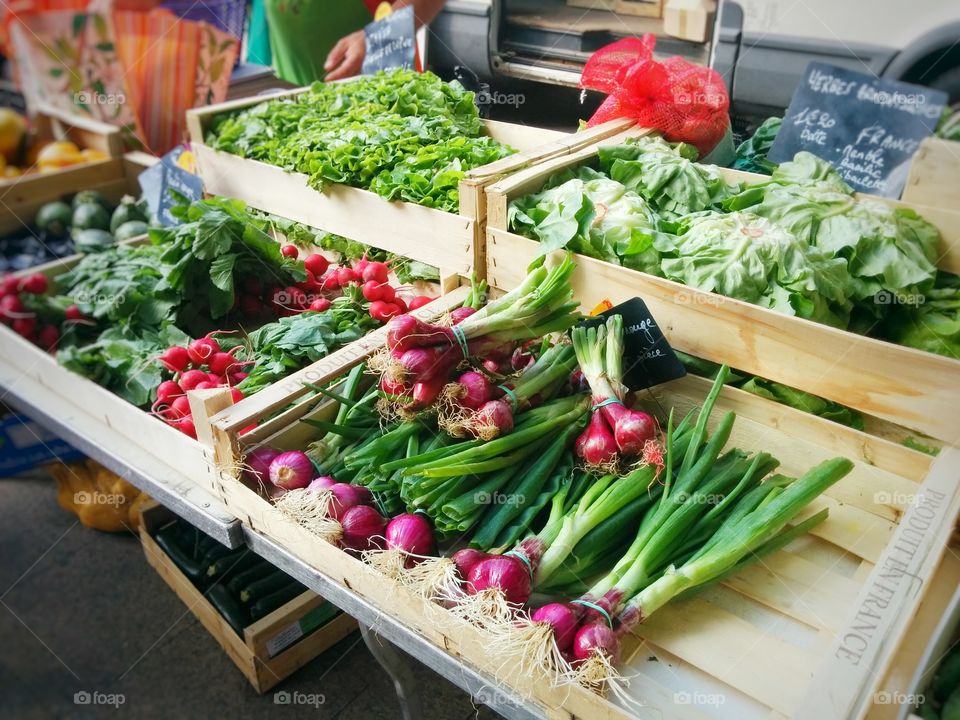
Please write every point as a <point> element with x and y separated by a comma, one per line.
<point>165,539</point>
<point>273,582</point>
<point>266,605</point>
<point>239,581</point>
<point>227,605</point>
<point>225,567</point>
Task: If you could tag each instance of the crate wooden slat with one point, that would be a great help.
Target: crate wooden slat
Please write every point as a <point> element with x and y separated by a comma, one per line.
<point>249,653</point>
<point>442,239</point>
<point>934,178</point>
<point>905,386</point>
<point>794,607</point>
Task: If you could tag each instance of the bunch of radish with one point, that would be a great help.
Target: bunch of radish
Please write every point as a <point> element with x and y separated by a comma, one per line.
<point>324,282</point>
<point>15,296</point>
<point>201,365</point>
<point>344,512</point>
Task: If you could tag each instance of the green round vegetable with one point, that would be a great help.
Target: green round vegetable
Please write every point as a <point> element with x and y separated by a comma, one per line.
<point>54,218</point>
<point>130,229</point>
<point>90,217</point>
<point>126,211</point>
<point>947,677</point>
<point>92,240</point>
<point>951,708</point>
<point>85,197</point>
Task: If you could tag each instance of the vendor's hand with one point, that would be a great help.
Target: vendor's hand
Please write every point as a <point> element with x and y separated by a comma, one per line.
<point>346,58</point>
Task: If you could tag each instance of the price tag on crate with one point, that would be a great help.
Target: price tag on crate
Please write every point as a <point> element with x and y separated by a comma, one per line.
<point>174,172</point>
<point>867,128</point>
<point>648,359</point>
<point>390,42</point>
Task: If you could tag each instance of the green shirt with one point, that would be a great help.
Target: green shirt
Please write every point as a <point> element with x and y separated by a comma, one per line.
<point>303,32</point>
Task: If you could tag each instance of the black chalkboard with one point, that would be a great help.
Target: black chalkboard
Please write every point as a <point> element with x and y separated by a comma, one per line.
<point>648,359</point>
<point>389,42</point>
<point>867,128</point>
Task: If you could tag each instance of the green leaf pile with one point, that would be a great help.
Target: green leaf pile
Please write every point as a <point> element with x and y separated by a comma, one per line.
<point>402,134</point>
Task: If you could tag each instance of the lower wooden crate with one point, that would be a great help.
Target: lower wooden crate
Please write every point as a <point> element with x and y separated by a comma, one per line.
<point>809,633</point>
<point>271,649</point>
<point>934,177</point>
<point>640,8</point>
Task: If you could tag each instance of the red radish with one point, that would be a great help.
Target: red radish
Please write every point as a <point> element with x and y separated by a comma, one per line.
<point>186,426</point>
<point>412,533</point>
<point>248,428</point>
<point>465,560</point>
<point>371,290</point>
<point>492,420</point>
<point>376,271</point>
<point>346,275</point>
<point>596,637</point>
<point>202,349</point>
<point>238,377</point>
<point>73,313</point>
<point>362,527</point>
<point>319,305</point>
<point>206,385</point>
<point>35,284</point>
<point>258,464</point>
<point>179,407</point>
<point>399,302</point>
<point>25,326</point>
<point>383,311</point>
<point>175,358</point>
<point>291,470</point>
<point>508,573</point>
<point>191,378</point>
<point>564,618</point>
<point>418,302</point>
<point>220,363</point>
<point>11,305</point>
<point>289,251</point>
<point>596,445</point>
<point>48,336</point>
<point>236,395</point>
<point>389,295</point>
<point>217,380</point>
<point>292,298</point>
<point>322,482</point>
<point>10,285</point>
<point>329,281</point>
<point>475,390</point>
<point>316,264</point>
<point>360,265</point>
<point>631,428</point>
<point>461,313</point>
<point>167,390</point>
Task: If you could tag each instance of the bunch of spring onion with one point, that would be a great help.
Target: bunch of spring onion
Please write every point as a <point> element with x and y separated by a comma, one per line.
<point>713,516</point>
<point>476,406</point>
<point>615,432</point>
<point>420,357</point>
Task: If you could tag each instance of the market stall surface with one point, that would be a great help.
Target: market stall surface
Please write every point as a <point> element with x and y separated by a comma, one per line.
<point>83,612</point>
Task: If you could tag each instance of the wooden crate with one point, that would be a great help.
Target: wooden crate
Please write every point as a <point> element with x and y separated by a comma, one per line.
<point>452,242</point>
<point>934,178</point>
<point>272,648</point>
<point>802,635</point>
<point>639,8</point>
<point>908,387</point>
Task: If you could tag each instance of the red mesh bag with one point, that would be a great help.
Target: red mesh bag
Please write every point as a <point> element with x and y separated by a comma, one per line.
<point>686,102</point>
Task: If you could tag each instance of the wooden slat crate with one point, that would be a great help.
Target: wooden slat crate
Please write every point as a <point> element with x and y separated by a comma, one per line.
<point>269,651</point>
<point>908,387</point>
<point>800,635</point>
<point>442,239</point>
<point>639,8</point>
<point>934,178</point>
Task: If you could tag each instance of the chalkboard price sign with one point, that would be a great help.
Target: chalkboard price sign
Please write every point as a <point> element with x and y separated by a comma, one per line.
<point>867,128</point>
<point>389,42</point>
